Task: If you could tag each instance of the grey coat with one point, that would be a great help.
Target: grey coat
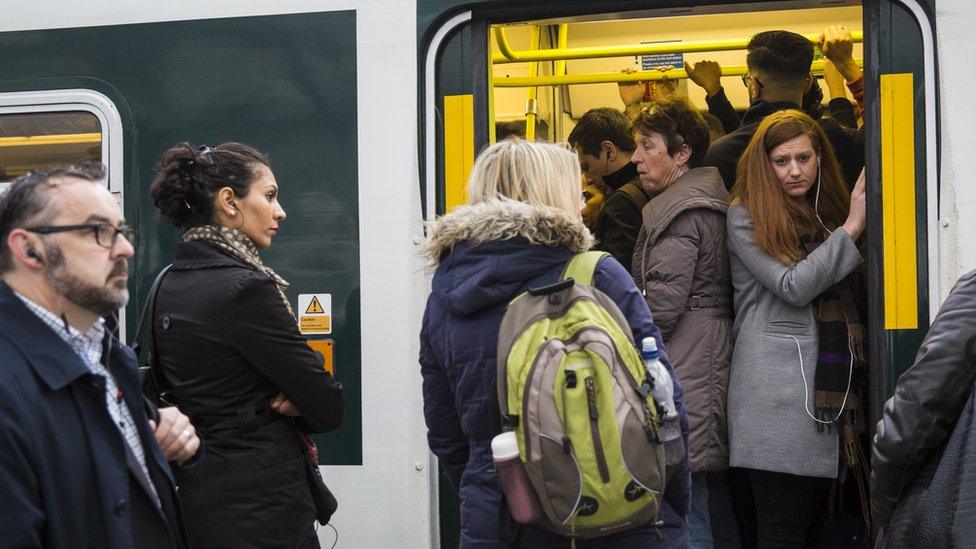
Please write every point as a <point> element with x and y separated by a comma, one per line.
<point>681,264</point>
<point>770,427</point>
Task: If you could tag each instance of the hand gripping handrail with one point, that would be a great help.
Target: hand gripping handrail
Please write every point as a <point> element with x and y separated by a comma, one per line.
<point>508,55</point>
<point>605,77</point>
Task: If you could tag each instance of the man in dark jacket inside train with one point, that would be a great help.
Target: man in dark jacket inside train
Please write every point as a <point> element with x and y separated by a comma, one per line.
<point>779,75</point>
<point>81,464</point>
<point>603,141</point>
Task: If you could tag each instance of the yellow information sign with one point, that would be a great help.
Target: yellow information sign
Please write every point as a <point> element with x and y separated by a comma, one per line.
<point>315,314</point>
<point>325,348</point>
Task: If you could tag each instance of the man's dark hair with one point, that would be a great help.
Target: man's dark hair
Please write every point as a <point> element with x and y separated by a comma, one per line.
<point>679,122</point>
<point>28,200</point>
<point>783,55</point>
<point>599,125</point>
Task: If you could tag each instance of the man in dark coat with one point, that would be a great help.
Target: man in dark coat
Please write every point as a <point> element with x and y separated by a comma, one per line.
<point>603,141</point>
<point>81,464</point>
<point>779,76</point>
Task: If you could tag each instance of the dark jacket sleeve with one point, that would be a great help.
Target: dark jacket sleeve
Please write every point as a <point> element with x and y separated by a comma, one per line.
<point>842,110</point>
<point>669,269</point>
<point>21,509</point>
<point>444,434</point>
<point>928,400</point>
<point>613,280</point>
<point>848,144</point>
<point>720,107</point>
<point>620,220</point>
<point>262,330</point>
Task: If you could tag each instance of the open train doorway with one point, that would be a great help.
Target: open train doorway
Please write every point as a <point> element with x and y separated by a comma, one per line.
<point>532,71</point>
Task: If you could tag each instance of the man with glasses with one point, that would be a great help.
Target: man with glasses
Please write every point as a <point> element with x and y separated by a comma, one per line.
<point>81,463</point>
<point>779,63</point>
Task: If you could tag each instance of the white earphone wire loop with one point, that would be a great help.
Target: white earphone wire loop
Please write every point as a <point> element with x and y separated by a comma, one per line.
<point>806,388</point>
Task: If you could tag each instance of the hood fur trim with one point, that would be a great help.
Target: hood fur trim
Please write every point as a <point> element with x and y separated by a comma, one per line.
<point>504,219</point>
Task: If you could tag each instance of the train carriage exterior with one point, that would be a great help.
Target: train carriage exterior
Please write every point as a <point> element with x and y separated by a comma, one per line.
<point>372,110</point>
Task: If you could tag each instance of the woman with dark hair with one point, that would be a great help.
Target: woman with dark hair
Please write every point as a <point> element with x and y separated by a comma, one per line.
<point>681,265</point>
<point>798,384</point>
<point>228,343</point>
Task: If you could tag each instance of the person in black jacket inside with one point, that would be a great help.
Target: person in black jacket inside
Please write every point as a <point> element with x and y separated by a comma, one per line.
<point>778,78</point>
<point>229,345</point>
<point>603,141</point>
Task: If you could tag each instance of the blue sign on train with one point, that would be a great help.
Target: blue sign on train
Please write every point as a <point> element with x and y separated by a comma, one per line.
<point>653,61</point>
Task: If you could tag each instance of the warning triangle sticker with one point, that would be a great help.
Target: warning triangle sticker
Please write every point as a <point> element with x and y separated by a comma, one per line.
<point>314,308</point>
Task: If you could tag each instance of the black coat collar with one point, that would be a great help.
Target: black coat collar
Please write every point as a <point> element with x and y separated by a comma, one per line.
<point>621,177</point>
<point>761,109</point>
<point>200,255</point>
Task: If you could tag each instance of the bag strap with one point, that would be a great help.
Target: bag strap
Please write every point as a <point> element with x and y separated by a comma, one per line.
<point>148,314</point>
<point>637,195</point>
<point>582,267</point>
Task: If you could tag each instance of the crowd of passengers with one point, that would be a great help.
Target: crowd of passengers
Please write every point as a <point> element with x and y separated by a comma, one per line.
<point>736,243</point>
<point>738,254</point>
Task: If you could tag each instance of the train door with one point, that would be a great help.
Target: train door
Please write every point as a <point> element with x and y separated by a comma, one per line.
<point>508,68</point>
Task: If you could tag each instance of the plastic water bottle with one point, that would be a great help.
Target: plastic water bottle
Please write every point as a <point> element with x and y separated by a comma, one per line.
<point>663,386</point>
<point>523,502</point>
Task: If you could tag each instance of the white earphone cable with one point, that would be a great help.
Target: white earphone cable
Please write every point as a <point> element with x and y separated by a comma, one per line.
<point>806,388</point>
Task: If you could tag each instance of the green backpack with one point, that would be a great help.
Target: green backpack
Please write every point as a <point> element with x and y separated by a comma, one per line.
<point>573,387</point>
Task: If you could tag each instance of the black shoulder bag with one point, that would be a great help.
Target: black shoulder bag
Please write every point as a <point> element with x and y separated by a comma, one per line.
<point>155,387</point>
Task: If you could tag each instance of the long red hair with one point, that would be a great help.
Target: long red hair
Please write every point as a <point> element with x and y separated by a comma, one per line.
<point>780,219</point>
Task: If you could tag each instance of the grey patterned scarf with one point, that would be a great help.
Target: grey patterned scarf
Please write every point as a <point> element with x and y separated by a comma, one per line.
<point>240,247</point>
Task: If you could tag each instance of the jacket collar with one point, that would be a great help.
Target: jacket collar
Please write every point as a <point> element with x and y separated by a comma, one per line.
<point>621,177</point>
<point>50,356</point>
<point>761,109</point>
<point>505,219</point>
<point>697,188</point>
<point>200,255</point>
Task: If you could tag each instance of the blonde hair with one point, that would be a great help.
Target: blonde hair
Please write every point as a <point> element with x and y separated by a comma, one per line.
<point>539,174</point>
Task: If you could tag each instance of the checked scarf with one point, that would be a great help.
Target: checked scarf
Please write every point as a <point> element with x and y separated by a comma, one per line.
<point>841,357</point>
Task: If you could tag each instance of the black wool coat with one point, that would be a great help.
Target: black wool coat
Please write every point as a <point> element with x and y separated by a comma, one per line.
<point>228,344</point>
<point>65,481</point>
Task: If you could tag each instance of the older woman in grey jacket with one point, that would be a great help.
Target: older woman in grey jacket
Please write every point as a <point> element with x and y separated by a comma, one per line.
<point>681,264</point>
<point>796,392</point>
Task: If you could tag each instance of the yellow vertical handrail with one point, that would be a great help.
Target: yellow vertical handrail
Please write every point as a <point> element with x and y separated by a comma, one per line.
<point>531,102</point>
<point>561,42</point>
<point>508,55</point>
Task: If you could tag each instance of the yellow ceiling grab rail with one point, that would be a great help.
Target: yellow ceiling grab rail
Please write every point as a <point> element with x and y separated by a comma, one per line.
<point>606,77</point>
<point>508,55</point>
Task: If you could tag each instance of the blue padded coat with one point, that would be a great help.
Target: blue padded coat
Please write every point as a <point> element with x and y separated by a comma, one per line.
<point>486,255</point>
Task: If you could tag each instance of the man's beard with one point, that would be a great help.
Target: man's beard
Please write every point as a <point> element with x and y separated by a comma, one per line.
<point>100,300</point>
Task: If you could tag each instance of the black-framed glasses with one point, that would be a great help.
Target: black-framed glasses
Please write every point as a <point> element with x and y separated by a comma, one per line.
<point>746,78</point>
<point>106,234</point>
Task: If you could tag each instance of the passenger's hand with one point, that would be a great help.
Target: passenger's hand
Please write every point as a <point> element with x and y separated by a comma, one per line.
<point>631,93</point>
<point>284,406</point>
<point>837,45</point>
<point>707,74</point>
<point>665,87</point>
<point>857,218</point>
<point>175,435</point>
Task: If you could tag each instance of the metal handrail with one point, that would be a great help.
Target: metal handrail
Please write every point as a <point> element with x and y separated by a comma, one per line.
<point>606,77</point>
<point>508,55</point>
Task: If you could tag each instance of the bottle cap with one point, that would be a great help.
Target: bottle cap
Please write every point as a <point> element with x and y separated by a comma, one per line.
<point>649,348</point>
<point>504,445</point>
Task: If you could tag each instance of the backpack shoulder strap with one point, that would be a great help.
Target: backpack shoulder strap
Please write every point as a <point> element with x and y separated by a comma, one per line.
<point>637,195</point>
<point>582,267</point>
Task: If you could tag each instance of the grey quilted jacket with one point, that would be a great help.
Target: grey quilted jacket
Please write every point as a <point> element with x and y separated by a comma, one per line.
<point>681,264</point>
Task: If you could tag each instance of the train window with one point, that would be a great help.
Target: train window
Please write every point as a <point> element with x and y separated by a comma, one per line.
<point>29,141</point>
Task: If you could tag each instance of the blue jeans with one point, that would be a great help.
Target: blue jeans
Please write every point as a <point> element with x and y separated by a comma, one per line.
<point>699,526</point>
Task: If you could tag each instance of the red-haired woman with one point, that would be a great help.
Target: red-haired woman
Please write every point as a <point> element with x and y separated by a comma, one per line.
<point>797,387</point>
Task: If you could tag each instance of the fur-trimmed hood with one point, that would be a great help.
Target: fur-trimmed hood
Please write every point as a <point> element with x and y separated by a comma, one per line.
<point>503,220</point>
<point>487,253</point>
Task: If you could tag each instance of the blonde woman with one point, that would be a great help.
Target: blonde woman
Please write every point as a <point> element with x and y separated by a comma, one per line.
<point>521,226</point>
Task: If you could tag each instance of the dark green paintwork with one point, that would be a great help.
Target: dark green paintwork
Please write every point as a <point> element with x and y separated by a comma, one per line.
<point>284,84</point>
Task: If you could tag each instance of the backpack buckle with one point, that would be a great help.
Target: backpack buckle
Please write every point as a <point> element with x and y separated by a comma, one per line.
<point>570,379</point>
<point>510,420</point>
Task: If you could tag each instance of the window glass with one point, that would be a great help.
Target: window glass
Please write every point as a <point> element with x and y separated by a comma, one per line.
<point>29,141</point>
